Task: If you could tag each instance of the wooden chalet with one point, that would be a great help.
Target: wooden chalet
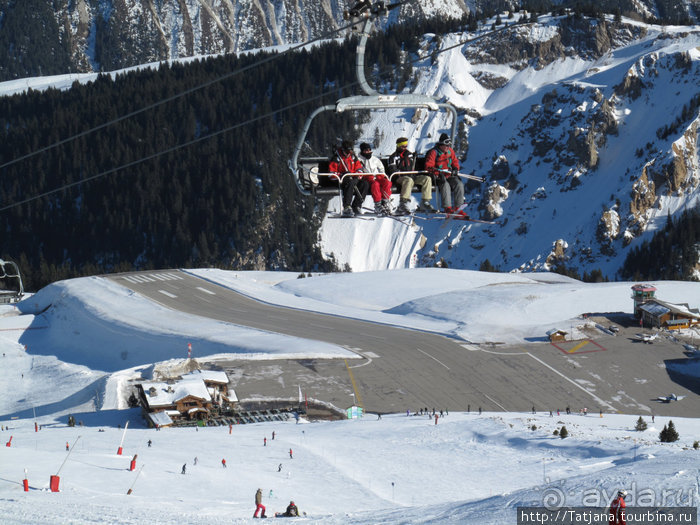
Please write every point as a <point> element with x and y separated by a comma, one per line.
<point>217,385</point>
<point>193,397</point>
<point>662,314</point>
<point>556,335</point>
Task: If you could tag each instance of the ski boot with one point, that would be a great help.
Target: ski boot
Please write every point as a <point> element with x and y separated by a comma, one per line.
<point>426,207</point>
<point>403,208</point>
<point>387,206</point>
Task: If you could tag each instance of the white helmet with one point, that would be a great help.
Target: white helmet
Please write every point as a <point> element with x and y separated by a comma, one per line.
<point>622,493</point>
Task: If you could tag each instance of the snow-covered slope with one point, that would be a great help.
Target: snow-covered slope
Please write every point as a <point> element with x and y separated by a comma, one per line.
<point>467,468</point>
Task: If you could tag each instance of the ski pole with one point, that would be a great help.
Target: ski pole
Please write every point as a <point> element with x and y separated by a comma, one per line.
<point>464,175</point>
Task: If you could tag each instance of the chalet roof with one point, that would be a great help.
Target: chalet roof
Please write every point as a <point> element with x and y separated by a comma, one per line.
<point>212,376</point>
<point>167,394</point>
<point>657,307</point>
<point>160,418</point>
<point>555,331</point>
<point>231,397</point>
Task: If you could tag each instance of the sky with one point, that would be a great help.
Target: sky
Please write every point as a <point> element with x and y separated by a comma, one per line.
<point>469,468</point>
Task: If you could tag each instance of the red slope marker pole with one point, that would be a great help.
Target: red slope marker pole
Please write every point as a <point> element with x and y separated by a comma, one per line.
<point>120,449</point>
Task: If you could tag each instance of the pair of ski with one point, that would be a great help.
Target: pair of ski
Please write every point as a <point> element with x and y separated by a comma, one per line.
<point>370,215</point>
<point>447,216</point>
<point>459,214</point>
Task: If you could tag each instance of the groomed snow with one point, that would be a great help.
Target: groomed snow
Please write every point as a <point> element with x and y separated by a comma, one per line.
<point>469,468</point>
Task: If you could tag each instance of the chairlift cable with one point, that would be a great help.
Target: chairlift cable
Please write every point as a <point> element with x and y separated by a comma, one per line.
<point>275,56</point>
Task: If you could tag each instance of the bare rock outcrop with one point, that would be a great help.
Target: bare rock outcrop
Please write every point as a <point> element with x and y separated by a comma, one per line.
<point>558,253</point>
<point>490,206</point>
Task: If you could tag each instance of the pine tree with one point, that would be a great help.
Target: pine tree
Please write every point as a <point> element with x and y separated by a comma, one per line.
<point>563,433</point>
<point>669,433</point>
<point>641,425</point>
<point>672,433</point>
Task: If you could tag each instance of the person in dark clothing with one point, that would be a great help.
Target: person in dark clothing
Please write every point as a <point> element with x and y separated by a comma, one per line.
<point>403,161</point>
<point>292,510</point>
<point>184,468</point>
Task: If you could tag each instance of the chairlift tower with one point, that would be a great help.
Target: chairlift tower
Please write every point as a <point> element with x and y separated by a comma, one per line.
<point>304,169</point>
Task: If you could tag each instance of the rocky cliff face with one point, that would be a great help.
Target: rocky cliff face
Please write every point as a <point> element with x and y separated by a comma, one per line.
<point>104,35</point>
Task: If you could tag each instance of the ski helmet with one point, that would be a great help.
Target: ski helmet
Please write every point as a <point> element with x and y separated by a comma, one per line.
<point>445,140</point>
<point>622,493</point>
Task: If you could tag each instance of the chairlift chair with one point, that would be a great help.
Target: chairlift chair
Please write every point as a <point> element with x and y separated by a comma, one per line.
<point>11,296</point>
<point>310,172</point>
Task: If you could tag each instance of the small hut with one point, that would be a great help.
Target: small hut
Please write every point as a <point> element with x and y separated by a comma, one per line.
<point>556,335</point>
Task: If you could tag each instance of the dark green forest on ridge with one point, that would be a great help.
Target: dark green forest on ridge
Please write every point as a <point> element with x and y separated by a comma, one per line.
<point>225,201</point>
<point>671,254</point>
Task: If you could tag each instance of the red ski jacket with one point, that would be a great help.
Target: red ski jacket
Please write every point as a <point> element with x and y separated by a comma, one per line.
<point>617,512</point>
<point>343,164</point>
<point>436,159</point>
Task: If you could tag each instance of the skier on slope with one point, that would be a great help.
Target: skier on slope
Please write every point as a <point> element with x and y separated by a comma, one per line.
<point>442,162</point>
<point>343,162</point>
<point>258,504</point>
<point>617,509</point>
<point>291,512</point>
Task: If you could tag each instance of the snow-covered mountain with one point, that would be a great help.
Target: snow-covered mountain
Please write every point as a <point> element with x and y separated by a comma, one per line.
<point>104,35</point>
<point>101,35</point>
<point>585,129</point>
